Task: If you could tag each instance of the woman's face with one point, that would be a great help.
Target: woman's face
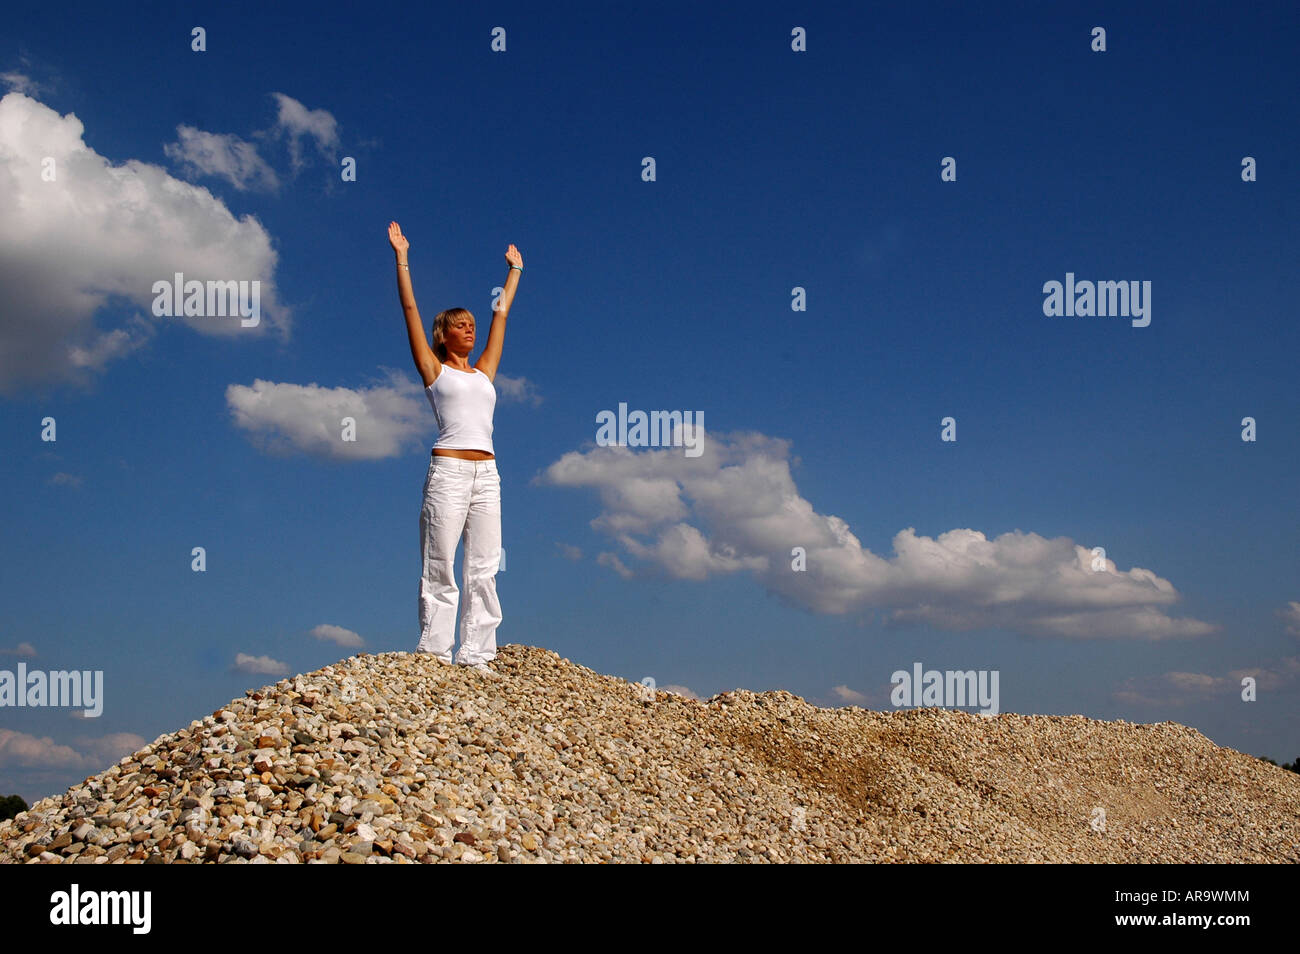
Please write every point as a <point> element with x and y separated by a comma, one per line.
<point>460,337</point>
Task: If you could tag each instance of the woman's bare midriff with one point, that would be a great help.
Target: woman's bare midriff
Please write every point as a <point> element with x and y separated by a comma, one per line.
<point>463,454</point>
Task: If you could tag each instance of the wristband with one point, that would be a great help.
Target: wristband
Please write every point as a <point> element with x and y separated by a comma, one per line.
<point>520,267</point>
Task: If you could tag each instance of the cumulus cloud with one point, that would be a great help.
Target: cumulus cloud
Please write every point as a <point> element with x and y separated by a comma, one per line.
<point>35,766</point>
<point>735,509</point>
<point>237,160</point>
<point>1181,688</point>
<point>22,649</point>
<point>66,480</point>
<point>101,234</point>
<point>284,419</point>
<point>568,551</point>
<point>110,346</point>
<point>20,750</point>
<point>338,635</point>
<point>261,665</point>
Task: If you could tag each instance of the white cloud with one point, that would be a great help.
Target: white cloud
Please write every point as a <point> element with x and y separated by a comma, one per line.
<point>112,345</point>
<point>614,563</point>
<point>568,551</point>
<point>66,480</point>
<point>1291,615</point>
<point>338,635</point>
<point>1268,678</point>
<point>108,749</point>
<point>845,694</point>
<point>223,155</point>
<point>21,83</point>
<point>1181,688</point>
<point>284,419</point>
<point>735,508</point>
<point>683,550</point>
<point>262,665</point>
<point>681,691</point>
<point>295,122</point>
<point>20,750</point>
<point>102,234</point>
<point>520,390</point>
<point>294,418</point>
<point>22,649</point>
<point>35,766</point>
<point>237,160</point>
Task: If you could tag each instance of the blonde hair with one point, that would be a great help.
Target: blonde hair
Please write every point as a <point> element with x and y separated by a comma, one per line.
<point>453,317</point>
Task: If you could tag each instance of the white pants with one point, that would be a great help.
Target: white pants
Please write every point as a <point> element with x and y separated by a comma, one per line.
<point>462,498</point>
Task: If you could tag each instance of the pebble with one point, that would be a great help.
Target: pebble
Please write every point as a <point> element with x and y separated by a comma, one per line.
<point>386,758</point>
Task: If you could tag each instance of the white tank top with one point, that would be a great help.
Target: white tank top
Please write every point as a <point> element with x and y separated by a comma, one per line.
<point>463,402</point>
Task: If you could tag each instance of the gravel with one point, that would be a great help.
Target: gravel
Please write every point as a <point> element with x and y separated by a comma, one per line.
<point>396,758</point>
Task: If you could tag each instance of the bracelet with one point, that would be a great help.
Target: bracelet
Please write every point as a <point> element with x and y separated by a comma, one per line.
<point>520,267</point>
<point>407,267</point>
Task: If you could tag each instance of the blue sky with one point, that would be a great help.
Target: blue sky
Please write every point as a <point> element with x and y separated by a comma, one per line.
<point>773,170</point>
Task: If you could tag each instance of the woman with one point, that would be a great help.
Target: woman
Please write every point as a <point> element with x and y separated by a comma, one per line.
<point>462,491</point>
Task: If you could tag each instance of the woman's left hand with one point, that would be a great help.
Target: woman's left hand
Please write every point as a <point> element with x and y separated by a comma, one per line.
<point>513,256</point>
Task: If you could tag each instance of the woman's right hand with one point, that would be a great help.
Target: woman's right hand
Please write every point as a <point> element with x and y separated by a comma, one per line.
<point>397,239</point>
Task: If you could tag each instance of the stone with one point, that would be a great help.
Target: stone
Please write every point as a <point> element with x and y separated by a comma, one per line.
<point>554,763</point>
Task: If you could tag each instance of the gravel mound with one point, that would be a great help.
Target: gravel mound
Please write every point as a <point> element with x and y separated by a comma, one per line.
<point>398,758</point>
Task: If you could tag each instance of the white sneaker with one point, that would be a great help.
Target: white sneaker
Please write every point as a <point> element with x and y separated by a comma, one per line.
<point>485,669</point>
<point>425,652</point>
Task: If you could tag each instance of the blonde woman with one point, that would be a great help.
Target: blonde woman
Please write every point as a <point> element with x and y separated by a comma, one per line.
<point>462,490</point>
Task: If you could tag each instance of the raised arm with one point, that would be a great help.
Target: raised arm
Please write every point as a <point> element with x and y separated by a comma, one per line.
<point>426,362</point>
<point>491,356</point>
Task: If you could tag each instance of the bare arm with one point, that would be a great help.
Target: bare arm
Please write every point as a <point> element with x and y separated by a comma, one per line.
<point>491,356</point>
<point>426,362</point>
